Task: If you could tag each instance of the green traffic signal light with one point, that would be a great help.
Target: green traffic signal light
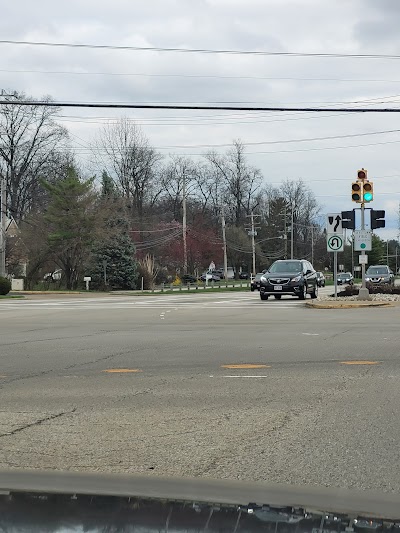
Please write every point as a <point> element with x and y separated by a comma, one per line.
<point>368,196</point>
<point>368,191</point>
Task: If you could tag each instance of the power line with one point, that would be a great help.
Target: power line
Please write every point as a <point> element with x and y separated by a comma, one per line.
<point>209,107</point>
<point>196,76</point>
<point>198,50</point>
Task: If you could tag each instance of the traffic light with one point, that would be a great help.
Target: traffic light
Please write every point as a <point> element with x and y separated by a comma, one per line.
<point>368,191</point>
<point>349,219</point>
<point>362,174</point>
<point>377,219</point>
<point>356,191</point>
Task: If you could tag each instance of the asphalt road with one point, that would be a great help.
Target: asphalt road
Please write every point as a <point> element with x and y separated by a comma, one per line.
<point>149,385</point>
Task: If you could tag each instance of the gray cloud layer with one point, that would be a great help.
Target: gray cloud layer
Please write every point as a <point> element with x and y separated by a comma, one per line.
<point>359,26</point>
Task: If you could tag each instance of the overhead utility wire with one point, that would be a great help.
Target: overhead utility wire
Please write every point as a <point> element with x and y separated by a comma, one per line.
<point>204,107</point>
<point>198,50</point>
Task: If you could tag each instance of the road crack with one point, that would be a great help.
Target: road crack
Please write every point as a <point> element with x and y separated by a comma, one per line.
<point>38,422</point>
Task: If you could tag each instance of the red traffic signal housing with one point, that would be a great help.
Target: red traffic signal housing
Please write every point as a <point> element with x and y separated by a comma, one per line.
<point>362,174</point>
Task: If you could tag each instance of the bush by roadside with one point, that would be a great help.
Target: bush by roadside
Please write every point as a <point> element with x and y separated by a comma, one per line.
<point>351,290</point>
<point>5,286</point>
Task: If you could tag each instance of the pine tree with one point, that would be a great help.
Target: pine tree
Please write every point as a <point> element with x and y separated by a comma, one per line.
<point>72,218</point>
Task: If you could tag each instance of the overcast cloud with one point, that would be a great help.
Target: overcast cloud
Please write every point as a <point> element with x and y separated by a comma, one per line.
<point>356,26</point>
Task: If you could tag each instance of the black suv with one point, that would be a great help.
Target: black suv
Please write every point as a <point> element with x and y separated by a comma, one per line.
<point>296,277</point>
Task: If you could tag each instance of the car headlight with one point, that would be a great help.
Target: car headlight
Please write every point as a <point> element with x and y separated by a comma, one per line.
<point>297,278</point>
<point>263,278</point>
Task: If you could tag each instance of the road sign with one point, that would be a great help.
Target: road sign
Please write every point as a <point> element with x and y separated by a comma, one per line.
<point>363,259</point>
<point>334,242</point>
<point>362,240</point>
<point>334,223</point>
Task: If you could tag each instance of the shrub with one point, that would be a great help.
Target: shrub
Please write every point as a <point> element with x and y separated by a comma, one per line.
<point>5,286</point>
<point>351,290</point>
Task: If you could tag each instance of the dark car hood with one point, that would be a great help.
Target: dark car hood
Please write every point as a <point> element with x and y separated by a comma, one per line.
<point>51,501</point>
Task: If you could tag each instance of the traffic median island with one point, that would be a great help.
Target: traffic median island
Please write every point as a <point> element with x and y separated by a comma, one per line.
<point>353,304</point>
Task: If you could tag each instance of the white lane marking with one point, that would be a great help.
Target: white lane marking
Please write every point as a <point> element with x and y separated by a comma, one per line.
<point>311,334</point>
<point>246,376</point>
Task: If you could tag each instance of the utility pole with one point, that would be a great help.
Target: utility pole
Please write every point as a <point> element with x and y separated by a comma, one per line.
<point>184,226</point>
<point>224,243</point>
<point>253,234</point>
<point>3,222</point>
<point>292,231</point>
<point>312,244</point>
<point>285,231</point>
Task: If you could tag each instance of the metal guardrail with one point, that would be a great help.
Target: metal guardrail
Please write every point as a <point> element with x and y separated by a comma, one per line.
<point>244,284</point>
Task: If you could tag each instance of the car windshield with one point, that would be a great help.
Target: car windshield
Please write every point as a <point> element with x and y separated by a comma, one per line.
<point>377,271</point>
<point>151,155</point>
<point>287,267</point>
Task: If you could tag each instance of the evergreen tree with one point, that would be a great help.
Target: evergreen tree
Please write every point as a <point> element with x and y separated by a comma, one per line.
<point>118,255</point>
<point>72,219</point>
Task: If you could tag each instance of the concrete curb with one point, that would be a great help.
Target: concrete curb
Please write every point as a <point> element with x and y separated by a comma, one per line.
<point>347,305</point>
<point>22,293</point>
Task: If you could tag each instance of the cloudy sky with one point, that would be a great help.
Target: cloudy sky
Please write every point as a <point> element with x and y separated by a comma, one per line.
<point>316,26</point>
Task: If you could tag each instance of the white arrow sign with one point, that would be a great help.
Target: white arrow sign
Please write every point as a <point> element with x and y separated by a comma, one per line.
<point>334,223</point>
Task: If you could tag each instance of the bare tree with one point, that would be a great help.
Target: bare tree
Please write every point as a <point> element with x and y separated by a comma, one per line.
<point>177,180</point>
<point>235,180</point>
<point>301,199</point>
<point>29,140</point>
<point>131,162</point>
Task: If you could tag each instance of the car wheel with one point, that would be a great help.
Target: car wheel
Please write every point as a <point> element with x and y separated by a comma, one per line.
<point>314,293</point>
<point>264,296</point>
<point>303,294</point>
<point>277,296</point>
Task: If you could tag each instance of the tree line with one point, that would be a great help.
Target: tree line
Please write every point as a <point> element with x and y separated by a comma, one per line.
<point>127,220</point>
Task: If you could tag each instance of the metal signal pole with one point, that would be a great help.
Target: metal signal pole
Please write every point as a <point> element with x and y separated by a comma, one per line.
<point>184,227</point>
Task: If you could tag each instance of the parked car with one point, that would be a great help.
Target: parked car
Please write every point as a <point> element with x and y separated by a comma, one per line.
<point>345,278</point>
<point>255,282</point>
<point>295,277</point>
<point>244,275</point>
<point>320,279</point>
<point>188,278</point>
<point>230,273</point>
<point>379,274</point>
<point>210,275</point>
<point>53,276</point>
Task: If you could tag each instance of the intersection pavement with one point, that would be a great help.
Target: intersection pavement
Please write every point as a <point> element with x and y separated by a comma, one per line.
<point>213,385</point>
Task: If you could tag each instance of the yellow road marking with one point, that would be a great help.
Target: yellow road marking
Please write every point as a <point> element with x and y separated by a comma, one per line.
<point>359,362</point>
<point>246,365</point>
<point>122,370</point>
